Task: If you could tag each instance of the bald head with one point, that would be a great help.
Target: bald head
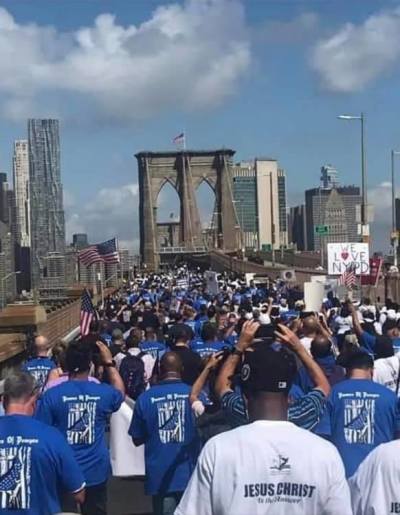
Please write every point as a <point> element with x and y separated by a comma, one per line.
<point>310,326</point>
<point>171,363</point>
<point>320,347</point>
<point>41,345</point>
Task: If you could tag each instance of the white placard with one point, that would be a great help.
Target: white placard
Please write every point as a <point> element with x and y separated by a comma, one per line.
<point>342,255</point>
<point>314,294</point>
<point>211,282</point>
<point>249,277</point>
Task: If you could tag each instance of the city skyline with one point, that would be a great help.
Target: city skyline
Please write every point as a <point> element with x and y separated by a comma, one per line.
<point>293,68</point>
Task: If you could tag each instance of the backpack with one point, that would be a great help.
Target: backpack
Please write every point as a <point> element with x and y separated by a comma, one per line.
<point>132,374</point>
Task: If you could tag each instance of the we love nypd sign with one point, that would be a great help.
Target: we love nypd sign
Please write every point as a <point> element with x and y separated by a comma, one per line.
<point>342,256</point>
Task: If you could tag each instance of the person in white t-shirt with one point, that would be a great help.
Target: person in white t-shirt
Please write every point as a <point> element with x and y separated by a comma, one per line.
<point>270,466</point>
<point>376,484</point>
<point>387,365</point>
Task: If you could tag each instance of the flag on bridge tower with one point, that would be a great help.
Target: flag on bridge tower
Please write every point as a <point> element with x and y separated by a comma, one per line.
<point>180,139</point>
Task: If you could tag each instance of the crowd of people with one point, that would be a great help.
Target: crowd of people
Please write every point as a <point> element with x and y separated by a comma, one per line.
<point>246,403</point>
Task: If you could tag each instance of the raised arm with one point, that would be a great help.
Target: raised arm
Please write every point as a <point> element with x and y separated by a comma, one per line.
<point>223,383</point>
<point>356,322</point>
<point>202,379</point>
<point>113,374</point>
<point>288,337</point>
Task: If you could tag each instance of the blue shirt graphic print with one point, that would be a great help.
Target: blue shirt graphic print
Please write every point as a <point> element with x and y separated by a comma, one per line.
<point>360,415</point>
<point>80,410</point>
<point>205,349</point>
<point>164,420</point>
<point>39,368</point>
<point>35,461</point>
<point>155,349</point>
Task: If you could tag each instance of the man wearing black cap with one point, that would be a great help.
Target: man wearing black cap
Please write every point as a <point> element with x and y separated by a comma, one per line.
<point>305,411</point>
<point>269,466</point>
<point>360,413</point>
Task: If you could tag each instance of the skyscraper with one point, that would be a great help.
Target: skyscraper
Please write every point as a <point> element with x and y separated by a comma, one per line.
<point>7,265</point>
<point>80,241</point>
<point>283,222</point>
<point>259,189</point>
<point>21,192</point>
<point>245,195</point>
<point>46,199</point>
<point>334,206</point>
<point>4,199</point>
<point>297,227</point>
<point>329,177</point>
<point>271,199</point>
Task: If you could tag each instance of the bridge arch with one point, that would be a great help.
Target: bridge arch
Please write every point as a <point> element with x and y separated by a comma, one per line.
<point>186,170</point>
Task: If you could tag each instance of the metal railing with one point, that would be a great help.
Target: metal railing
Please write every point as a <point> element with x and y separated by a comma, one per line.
<point>181,250</point>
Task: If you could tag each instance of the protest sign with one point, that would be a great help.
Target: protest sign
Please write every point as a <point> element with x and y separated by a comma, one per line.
<point>314,294</point>
<point>343,255</point>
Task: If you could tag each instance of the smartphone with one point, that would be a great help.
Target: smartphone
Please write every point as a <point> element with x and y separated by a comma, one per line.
<point>275,311</point>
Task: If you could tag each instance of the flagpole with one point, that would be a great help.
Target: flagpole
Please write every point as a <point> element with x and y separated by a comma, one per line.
<point>102,287</point>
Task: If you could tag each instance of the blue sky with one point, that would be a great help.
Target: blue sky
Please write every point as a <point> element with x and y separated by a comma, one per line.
<point>266,78</point>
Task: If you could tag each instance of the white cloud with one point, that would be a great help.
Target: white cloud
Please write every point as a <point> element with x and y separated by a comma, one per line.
<point>113,201</point>
<point>357,55</point>
<point>184,57</point>
<point>111,212</point>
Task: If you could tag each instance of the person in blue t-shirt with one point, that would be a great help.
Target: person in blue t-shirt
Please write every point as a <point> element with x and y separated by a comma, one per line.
<point>201,319</point>
<point>80,409</point>
<point>321,351</point>
<point>189,316</point>
<point>36,463</point>
<point>163,422</point>
<point>369,340</point>
<point>40,365</point>
<point>360,414</point>
<point>208,344</point>
<point>151,346</point>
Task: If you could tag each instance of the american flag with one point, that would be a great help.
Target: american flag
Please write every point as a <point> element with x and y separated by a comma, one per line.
<point>105,252</point>
<point>178,140</point>
<point>348,277</point>
<point>88,313</point>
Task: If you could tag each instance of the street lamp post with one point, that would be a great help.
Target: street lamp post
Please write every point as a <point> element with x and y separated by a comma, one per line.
<point>3,279</point>
<point>394,228</point>
<point>271,201</point>
<point>272,220</point>
<point>364,218</point>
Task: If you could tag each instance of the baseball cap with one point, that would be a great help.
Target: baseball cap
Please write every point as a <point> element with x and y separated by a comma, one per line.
<point>268,369</point>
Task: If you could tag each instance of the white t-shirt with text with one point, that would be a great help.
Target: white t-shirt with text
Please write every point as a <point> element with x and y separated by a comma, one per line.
<point>386,372</point>
<point>375,487</point>
<point>267,468</point>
